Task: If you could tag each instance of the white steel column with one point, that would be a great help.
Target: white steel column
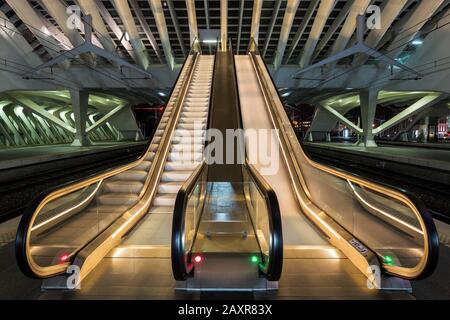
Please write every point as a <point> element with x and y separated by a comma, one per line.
<point>289,15</point>
<point>325,8</point>
<point>89,7</point>
<point>192,19</point>
<point>35,24</point>
<point>15,39</point>
<point>368,100</point>
<point>420,15</point>
<point>389,12</point>
<point>256,19</point>
<point>126,16</point>
<point>224,24</point>
<point>58,11</point>
<point>80,100</point>
<point>160,20</point>
<point>358,8</point>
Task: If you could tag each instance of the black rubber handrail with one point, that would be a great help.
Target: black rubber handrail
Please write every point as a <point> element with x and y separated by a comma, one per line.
<point>274,267</point>
<point>432,234</point>
<point>182,266</point>
<point>24,224</point>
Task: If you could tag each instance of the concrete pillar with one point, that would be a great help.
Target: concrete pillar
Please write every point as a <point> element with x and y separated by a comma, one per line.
<point>80,101</point>
<point>368,105</point>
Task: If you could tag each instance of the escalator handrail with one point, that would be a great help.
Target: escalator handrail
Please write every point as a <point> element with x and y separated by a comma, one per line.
<point>182,265</point>
<point>274,268</point>
<point>431,245</point>
<point>23,232</point>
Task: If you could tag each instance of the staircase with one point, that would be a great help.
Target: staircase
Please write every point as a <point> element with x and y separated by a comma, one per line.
<point>151,236</point>
<point>186,151</point>
<point>121,191</point>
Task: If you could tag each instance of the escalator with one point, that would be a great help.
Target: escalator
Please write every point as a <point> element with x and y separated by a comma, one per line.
<point>350,231</point>
<point>231,226</point>
<point>125,211</point>
<point>226,232</point>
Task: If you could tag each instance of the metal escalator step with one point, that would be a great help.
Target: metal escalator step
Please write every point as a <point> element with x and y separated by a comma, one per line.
<point>164,200</point>
<point>187,147</point>
<point>169,187</point>
<point>180,156</point>
<point>179,165</point>
<point>124,186</point>
<point>191,126</point>
<point>144,165</point>
<point>136,175</point>
<point>149,156</point>
<point>118,199</point>
<point>161,209</point>
<point>176,176</point>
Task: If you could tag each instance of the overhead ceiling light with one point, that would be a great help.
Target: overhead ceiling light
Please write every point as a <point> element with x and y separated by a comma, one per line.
<point>209,41</point>
<point>162,94</point>
<point>417,42</point>
<point>286,94</point>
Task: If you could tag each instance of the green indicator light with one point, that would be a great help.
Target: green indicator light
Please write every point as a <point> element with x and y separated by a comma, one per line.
<point>255,259</point>
<point>388,259</point>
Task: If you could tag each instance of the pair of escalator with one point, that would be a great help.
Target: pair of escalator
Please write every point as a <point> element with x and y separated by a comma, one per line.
<point>226,222</point>
<point>226,231</point>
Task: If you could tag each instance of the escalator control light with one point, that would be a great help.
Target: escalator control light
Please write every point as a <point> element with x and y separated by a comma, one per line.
<point>63,258</point>
<point>254,259</point>
<point>198,259</point>
<point>389,260</point>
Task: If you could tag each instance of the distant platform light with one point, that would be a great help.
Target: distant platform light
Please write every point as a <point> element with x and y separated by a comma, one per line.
<point>417,42</point>
<point>209,41</point>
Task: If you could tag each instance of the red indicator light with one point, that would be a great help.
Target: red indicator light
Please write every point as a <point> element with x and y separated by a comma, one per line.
<point>198,259</point>
<point>63,258</point>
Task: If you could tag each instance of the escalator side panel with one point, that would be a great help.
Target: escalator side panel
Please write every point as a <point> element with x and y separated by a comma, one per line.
<point>297,229</point>
<point>224,115</point>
